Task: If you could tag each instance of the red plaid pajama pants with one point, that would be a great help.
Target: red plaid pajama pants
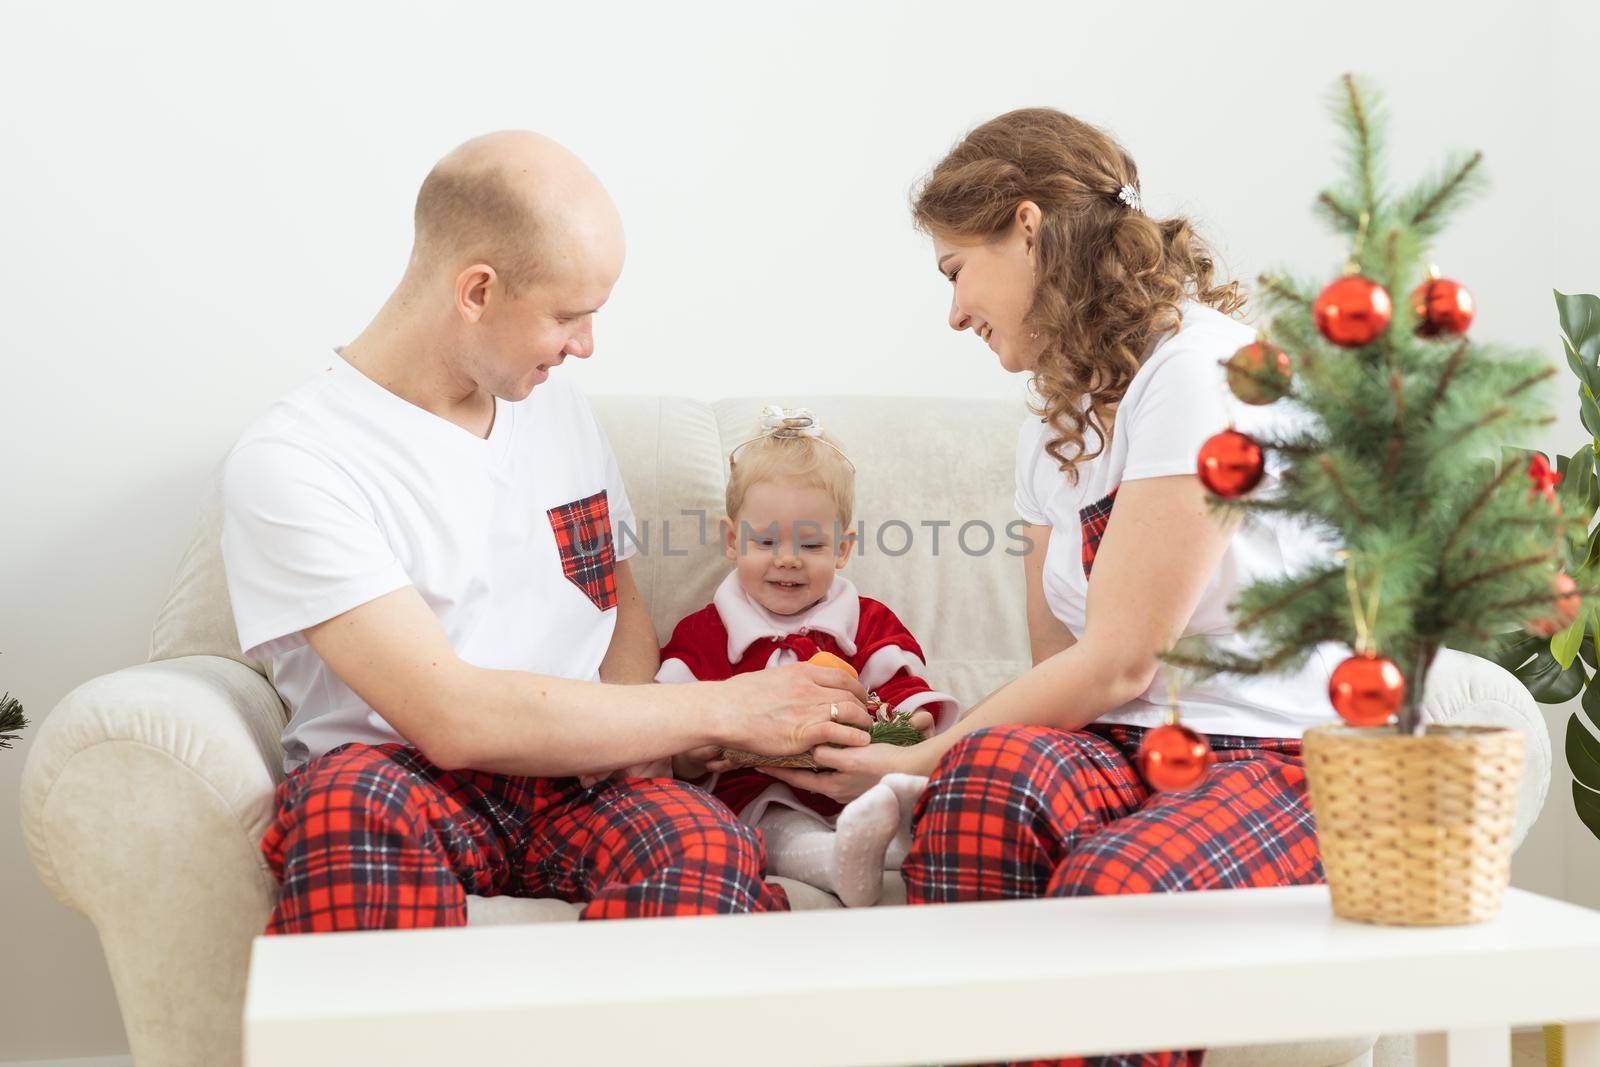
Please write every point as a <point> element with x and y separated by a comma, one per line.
<point>377,837</point>
<point>1026,811</point>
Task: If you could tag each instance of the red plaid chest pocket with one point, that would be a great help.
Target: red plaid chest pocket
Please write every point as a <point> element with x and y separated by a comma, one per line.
<point>1092,521</point>
<point>588,558</point>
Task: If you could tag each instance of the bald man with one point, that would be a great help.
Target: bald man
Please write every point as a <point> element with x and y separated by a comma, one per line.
<point>422,541</point>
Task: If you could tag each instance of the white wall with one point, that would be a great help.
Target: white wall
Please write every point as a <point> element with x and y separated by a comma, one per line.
<point>199,200</point>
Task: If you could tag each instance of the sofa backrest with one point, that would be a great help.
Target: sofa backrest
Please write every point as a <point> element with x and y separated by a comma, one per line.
<point>920,462</point>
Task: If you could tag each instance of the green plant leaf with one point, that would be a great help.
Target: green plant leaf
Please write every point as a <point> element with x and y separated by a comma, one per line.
<point>1587,801</point>
<point>1589,411</point>
<point>1548,683</point>
<point>1578,491</point>
<point>1564,645</point>
<point>1514,649</point>
<point>1583,753</point>
<point>1580,321</point>
<point>1591,699</point>
<point>1591,555</point>
<point>1587,374</point>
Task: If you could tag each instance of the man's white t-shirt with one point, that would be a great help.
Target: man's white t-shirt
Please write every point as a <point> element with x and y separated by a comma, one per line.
<point>343,492</point>
<point>1178,399</point>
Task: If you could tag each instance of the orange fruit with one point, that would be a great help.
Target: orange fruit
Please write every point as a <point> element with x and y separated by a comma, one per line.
<point>828,659</point>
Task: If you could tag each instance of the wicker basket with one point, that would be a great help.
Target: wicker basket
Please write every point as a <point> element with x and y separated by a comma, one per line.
<point>1415,831</point>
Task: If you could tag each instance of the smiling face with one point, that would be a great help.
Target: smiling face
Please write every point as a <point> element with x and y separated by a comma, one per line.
<point>785,545</point>
<point>992,286</point>
<point>520,337</point>
<point>517,246</point>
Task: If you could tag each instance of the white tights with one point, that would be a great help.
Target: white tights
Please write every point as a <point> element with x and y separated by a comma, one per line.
<point>872,834</point>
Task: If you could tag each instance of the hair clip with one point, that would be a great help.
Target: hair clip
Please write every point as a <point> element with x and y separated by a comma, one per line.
<point>1130,196</point>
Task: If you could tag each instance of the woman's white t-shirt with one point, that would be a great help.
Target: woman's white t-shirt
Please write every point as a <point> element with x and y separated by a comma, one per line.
<point>342,492</point>
<point>1177,400</point>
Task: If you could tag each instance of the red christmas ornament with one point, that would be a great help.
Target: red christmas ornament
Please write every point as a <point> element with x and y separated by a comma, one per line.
<point>1173,757</point>
<point>1353,311</point>
<point>1231,464</point>
<point>1444,308</point>
<point>1544,477</point>
<point>1260,373</point>
<point>1568,603</point>
<point>1366,690</point>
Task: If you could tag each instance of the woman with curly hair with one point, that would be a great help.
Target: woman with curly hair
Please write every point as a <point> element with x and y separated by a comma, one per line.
<point>1123,326</point>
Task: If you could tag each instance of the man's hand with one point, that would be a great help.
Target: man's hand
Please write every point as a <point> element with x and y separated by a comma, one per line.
<point>792,709</point>
<point>779,712</point>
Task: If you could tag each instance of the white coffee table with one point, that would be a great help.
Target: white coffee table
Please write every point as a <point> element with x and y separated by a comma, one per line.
<point>954,984</point>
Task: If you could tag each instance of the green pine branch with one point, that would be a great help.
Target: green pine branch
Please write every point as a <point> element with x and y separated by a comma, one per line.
<point>1358,109</point>
<point>1447,374</point>
<point>12,721</point>
<point>897,731</point>
<point>1338,211</point>
<point>1426,207</point>
<point>1285,291</point>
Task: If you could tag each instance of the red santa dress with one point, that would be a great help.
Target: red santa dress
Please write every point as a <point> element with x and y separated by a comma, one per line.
<point>735,635</point>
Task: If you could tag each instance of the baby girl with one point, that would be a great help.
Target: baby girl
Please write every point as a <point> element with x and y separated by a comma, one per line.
<point>790,496</point>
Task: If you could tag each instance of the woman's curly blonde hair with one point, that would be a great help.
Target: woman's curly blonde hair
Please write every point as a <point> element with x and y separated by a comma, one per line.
<point>1109,278</point>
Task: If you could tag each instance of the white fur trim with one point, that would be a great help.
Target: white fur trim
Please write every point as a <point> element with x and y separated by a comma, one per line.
<point>837,615</point>
<point>945,708</point>
<point>887,662</point>
<point>780,794</point>
<point>675,670</point>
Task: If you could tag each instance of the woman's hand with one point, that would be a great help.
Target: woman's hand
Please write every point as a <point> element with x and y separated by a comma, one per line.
<point>791,709</point>
<point>854,770</point>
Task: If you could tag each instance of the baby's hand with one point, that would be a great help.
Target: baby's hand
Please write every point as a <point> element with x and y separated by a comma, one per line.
<point>923,721</point>
<point>693,763</point>
<point>661,768</point>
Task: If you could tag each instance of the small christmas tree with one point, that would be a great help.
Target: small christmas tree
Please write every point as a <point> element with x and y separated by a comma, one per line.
<point>1449,539</point>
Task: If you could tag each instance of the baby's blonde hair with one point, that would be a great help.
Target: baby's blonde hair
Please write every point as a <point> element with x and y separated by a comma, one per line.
<point>816,461</point>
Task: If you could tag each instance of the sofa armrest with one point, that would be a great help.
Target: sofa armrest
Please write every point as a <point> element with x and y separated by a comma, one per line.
<point>144,798</point>
<point>1468,690</point>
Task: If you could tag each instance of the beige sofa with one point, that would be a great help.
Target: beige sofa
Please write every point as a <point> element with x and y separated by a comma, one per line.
<point>147,790</point>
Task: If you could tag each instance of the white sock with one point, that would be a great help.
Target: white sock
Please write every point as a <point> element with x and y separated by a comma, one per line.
<point>906,789</point>
<point>866,828</point>
<point>799,845</point>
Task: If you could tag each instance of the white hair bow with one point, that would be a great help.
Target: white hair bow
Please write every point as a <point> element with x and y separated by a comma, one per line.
<point>789,422</point>
<point>782,422</point>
